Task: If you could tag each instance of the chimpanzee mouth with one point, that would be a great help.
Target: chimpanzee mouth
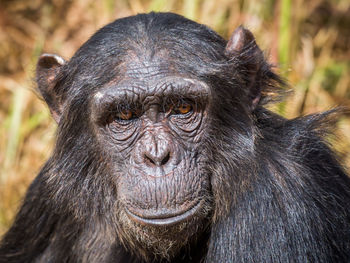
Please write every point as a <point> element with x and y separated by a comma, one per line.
<point>166,219</point>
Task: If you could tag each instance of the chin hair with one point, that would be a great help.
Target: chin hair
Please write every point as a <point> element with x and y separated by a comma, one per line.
<point>159,242</point>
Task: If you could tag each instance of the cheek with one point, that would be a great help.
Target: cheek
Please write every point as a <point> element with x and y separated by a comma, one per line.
<point>121,136</point>
<point>189,131</point>
<point>117,144</point>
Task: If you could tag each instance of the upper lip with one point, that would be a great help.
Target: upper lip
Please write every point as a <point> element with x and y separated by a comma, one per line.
<point>162,219</point>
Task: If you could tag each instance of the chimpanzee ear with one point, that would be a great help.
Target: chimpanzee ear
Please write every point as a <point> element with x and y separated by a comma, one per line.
<point>242,45</point>
<point>46,71</point>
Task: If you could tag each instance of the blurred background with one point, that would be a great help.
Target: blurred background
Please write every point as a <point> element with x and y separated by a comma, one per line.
<point>309,41</point>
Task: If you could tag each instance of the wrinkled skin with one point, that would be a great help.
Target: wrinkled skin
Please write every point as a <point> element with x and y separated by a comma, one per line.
<point>141,117</point>
<point>165,152</point>
<point>160,176</point>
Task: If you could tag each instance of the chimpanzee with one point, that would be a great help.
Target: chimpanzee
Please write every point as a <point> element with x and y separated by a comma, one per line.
<point>166,152</point>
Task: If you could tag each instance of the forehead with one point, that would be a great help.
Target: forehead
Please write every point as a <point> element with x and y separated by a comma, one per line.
<point>153,87</point>
<point>145,70</point>
<point>146,64</point>
<point>146,76</point>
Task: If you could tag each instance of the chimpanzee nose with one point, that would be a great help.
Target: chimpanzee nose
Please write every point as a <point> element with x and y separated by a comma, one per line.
<point>159,158</point>
<point>157,148</point>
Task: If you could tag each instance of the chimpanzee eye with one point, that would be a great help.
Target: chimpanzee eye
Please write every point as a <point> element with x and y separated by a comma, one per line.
<point>125,115</point>
<point>183,107</point>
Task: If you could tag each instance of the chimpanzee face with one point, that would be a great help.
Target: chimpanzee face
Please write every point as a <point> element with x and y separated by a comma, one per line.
<point>147,102</point>
<point>152,123</point>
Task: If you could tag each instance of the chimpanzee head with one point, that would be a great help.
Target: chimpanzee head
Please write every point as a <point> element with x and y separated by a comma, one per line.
<point>138,108</point>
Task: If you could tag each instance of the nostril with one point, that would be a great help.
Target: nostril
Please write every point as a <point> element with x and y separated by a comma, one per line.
<point>154,160</point>
<point>166,159</point>
<point>149,160</point>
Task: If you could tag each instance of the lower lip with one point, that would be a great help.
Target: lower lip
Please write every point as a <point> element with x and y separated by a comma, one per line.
<point>165,221</point>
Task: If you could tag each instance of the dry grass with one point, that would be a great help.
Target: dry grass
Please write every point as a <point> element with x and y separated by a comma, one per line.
<point>309,40</point>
